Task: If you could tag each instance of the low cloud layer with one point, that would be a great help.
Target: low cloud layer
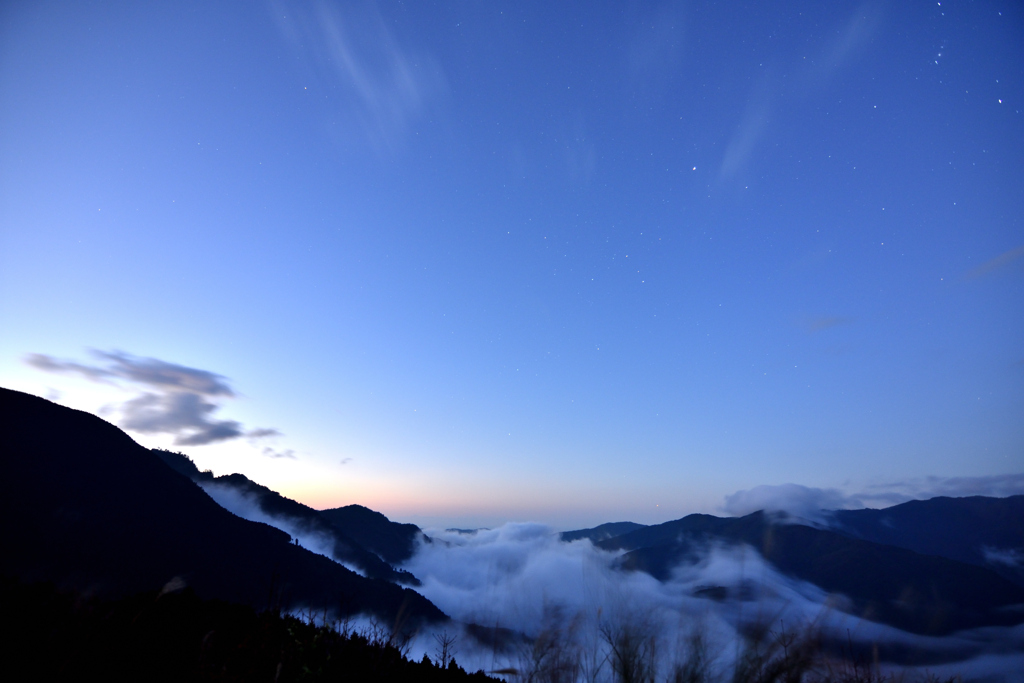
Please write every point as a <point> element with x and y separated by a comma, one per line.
<point>570,596</point>
<point>522,577</point>
<point>173,399</point>
<point>523,599</point>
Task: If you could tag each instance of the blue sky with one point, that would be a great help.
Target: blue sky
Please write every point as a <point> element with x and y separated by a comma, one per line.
<point>567,262</point>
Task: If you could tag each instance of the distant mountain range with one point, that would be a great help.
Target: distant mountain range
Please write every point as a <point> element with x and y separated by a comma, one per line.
<point>930,567</point>
<point>986,532</point>
<point>602,532</point>
<point>85,507</point>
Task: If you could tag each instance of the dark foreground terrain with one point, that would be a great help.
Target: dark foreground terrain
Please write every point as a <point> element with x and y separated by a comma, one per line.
<point>177,636</point>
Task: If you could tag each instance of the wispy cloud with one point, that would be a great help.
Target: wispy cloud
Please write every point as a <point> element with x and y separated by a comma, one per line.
<point>804,502</point>
<point>174,399</point>
<point>1004,556</point>
<point>376,79</point>
<point>858,30</point>
<point>760,108</point>
<point>654,46</point>
<point>272,453</point>
<point>824,323</point>
<point>580,155</point>
<point>747,135</point>
<point>999,262</point>
<point>184,414</point>
<point>148,371</point>
<point>808,503</point>
<point>262,433</point>
<point>998,485</point>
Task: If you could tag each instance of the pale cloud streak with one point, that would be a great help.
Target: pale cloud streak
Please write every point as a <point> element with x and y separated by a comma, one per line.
<point>384,85</point>
<point>922,488</point>
<point>998,263</point>
<point>288,453</point>
<point>760,109</point>
<point>748,134</point>
<point>825,323</point>
<point>858,30</point>
<point>173,399</point>
<point>147,371</point>
<point>809,503</point>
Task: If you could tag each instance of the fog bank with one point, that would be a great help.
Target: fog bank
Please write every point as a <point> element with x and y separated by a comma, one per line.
<point>521,577</point>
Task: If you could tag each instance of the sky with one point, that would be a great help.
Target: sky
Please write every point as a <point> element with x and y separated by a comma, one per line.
<point>476,262</point>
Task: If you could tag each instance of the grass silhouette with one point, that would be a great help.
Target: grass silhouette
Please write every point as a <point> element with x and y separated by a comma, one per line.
<point>176,636</point>
<point>629,649</point>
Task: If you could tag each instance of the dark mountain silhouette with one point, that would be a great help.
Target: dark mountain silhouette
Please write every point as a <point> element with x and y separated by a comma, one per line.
<point>915,592</point>
<point>987,532</point>
<point>345,548</point>
<point>310,521</point>
<point>361,536</point>
<point>85,507</point>
<point>182,464</point>
<point>394,542</point>
<point>602,532</point>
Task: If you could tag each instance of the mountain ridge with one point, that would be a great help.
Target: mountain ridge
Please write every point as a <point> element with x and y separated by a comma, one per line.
<point>355,534</point>
<point>601,532</point>
<point>87,508</point>
<point>915,592</point>
<point>979,530</point>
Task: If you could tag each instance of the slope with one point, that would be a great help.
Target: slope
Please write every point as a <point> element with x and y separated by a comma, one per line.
<point>601,532</point>
<point>87,508</point>
<point>896,586</point>
<point>393,541</point>
<point>988,532</point>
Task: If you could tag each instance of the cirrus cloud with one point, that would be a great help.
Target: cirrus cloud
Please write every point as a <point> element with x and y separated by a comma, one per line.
<point>352,49</point>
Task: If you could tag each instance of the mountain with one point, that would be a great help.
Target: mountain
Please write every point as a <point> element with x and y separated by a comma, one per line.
<point>85,507</point>
<point>392,541</point>
<point>987,532</point>
<point>896,586</point>
<point>602,532</point>
<point>335,538</point>
<point>182,464</point>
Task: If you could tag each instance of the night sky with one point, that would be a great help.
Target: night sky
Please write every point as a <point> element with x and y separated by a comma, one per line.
<point>471,262</point>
